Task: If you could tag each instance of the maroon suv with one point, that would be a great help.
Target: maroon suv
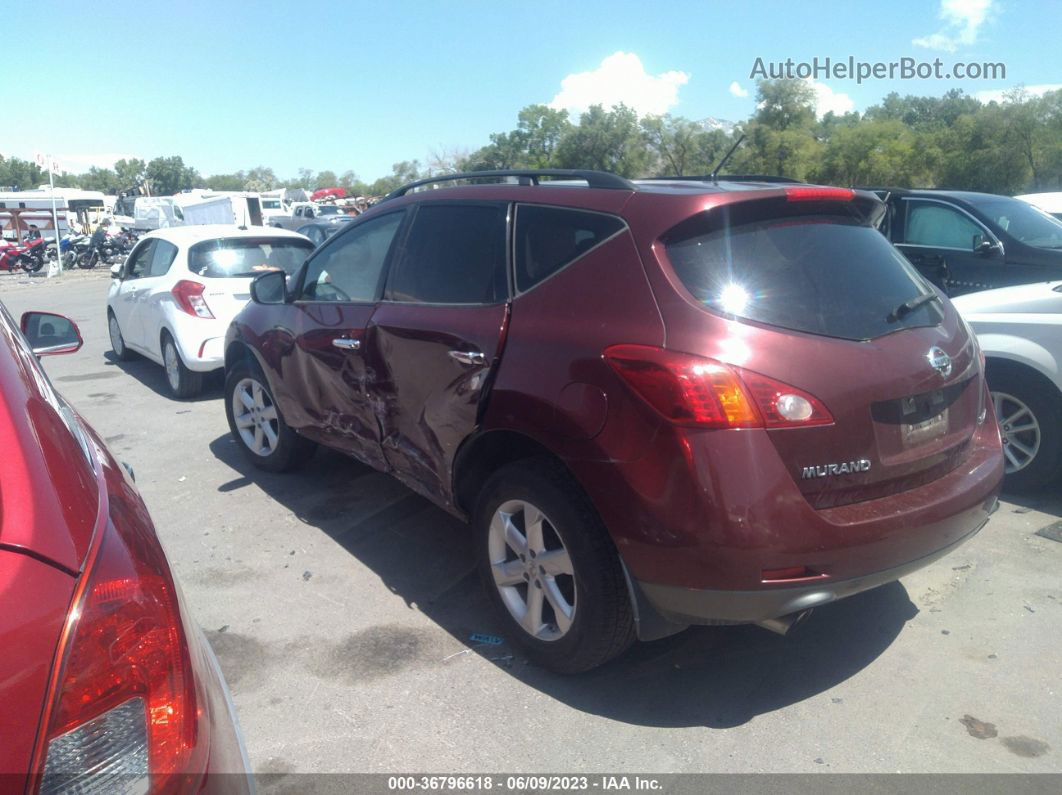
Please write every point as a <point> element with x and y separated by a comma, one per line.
<point>660,403</point>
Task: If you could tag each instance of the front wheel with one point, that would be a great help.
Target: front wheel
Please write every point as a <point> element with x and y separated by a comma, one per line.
<point>257,425</point>
<point>184,383</point>
<point>551,569</point>
<point>121,352</point>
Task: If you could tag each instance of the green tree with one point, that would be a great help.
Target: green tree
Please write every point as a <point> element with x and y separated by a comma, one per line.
<point>605,141</point>
<point>325,179</point>
<point>260,178</point>
<point>871,153</point>
<point>101,179</point>
<point>235,181</point>
<point>129,173</point>
<point>21,174</point>
<point>169,175</point>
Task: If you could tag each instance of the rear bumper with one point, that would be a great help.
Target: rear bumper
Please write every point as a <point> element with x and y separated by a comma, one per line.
<point>201,341</point>
<point>702,606</point>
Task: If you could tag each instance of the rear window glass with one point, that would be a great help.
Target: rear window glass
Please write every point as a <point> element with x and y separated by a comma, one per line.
<point>824,274</point>
<point>247,256</point>
<point>548,238</point>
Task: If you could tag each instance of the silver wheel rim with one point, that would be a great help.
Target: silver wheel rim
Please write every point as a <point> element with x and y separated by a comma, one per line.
<point>117,343</point>
<point>532,570</point>
<point>255,417</point>
<point>1020,431</point>
<point>173,369</point>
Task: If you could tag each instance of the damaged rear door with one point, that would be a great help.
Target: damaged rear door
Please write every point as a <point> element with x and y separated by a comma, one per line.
<point>436,338</point>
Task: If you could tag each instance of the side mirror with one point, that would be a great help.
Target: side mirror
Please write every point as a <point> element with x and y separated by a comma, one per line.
<point>984,247</point>
<point>270,288</point>
<point>49,334</point>
<point>116,271</point>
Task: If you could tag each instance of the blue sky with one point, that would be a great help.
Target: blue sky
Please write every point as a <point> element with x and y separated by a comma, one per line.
<point>340,85</point>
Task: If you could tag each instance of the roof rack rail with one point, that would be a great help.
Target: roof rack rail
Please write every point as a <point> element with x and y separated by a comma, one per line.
<point>594,179</point>
<point>735,178</point>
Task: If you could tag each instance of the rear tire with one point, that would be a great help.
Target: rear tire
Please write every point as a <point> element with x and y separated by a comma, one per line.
<point>578,620</point>
<point>257,424</point>
<point>184,383</point>
<point>1029,410</point>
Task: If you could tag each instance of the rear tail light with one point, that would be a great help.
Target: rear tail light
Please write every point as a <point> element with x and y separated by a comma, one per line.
<point>699,392</point>
<point>819,194</point>
<point>189,297</point>
<point>123,706</point>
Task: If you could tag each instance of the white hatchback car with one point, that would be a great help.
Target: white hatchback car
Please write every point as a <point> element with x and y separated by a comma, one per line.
<point>1020,331</point>
<point>179,289</point>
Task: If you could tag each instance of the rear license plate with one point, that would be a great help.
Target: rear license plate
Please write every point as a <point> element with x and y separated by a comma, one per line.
<point>927,430</point>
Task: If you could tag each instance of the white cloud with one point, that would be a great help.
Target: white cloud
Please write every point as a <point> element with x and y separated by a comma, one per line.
<point>737,90</point>
<point>826,99</point>
<point>996,94</point>
<point>962,23</point>
<point>621,77</point>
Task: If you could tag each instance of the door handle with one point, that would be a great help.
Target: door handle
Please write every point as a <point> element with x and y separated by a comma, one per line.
<point>468,357</point>
<point>346,343</point>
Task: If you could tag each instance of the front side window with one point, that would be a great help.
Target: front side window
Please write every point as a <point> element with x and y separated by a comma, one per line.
<point>350,268</point>
<point>932,224</point>
<point>548,238</point>
<point>455,254</point>
<point>233,257</point>
<point>139,262</point>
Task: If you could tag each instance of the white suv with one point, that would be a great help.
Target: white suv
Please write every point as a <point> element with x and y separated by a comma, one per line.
<point>179,289</point>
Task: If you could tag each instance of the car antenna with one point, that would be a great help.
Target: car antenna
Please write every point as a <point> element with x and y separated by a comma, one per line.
<point>726,157</point>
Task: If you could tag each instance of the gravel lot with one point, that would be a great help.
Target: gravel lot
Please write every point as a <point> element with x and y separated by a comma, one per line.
<point>340,605</point>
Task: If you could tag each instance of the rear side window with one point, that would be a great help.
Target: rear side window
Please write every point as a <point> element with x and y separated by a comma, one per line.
<point>824,274</point>
<point>455,254</point>
<point>227,258</point>
<point>163,256</point>
<point>548,238</point>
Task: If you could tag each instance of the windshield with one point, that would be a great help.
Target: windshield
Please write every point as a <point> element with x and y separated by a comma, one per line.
<point>329,209</point>
<point>270,204</point>
<point>247,256</point>
<point>823,274</point>
<point>1031,225</point>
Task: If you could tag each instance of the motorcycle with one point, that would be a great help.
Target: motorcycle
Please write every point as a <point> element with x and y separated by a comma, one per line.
<point>28,255</point>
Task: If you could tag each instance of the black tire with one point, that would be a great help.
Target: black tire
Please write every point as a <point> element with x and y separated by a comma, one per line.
<point>291,450</point>
<point>118,347</point>
<point>1044,402</point>
<point>183,383</point>
<point>602,626</point>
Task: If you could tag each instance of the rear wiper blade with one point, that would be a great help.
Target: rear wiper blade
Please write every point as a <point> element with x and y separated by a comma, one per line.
<point>906,308</point>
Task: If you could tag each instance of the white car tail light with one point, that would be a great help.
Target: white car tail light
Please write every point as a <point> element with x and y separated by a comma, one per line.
<point>189,297</point>
<point>123,703</point>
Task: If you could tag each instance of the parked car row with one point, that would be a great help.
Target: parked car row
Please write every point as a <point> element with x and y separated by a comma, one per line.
<point>656,403</point>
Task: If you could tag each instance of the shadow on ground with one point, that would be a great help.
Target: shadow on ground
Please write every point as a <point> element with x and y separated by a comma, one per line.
<point>708,676</point>
<point>153,376</point>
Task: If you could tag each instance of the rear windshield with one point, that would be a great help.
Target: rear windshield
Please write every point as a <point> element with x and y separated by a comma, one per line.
<point>824,274</point>
<point>247,256</point>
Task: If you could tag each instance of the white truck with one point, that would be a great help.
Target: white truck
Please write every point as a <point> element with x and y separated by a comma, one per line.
<point>221,207</point>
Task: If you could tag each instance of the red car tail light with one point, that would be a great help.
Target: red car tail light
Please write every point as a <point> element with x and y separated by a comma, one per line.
<point>189,297</point>
<point>701,392</point>
<point>819,194</point>
<point>124,703</point>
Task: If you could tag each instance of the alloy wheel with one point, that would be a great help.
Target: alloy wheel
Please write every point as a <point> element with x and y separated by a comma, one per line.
<point>1020,431</point>
<point>255,417</point>
<point>532,570</point>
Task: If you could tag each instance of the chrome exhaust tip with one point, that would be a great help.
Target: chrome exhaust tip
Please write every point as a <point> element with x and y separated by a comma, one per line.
<point>783,625</point>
